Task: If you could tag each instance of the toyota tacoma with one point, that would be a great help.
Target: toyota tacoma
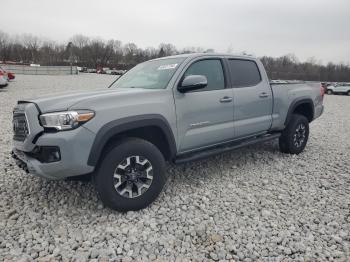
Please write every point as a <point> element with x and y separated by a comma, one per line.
<point>172,109</point>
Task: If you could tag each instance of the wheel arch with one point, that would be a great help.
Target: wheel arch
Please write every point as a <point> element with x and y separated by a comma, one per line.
<point>153,128</point>
<point>302,106</point>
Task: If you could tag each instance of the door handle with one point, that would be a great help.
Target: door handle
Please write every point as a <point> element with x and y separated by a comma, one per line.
<point>226,99</point>
<point>263,95</point>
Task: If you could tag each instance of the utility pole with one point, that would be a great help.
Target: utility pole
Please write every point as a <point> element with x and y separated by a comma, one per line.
<point>70,56</point>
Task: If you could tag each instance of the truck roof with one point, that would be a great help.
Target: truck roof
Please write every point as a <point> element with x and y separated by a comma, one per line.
<point>193,55</point>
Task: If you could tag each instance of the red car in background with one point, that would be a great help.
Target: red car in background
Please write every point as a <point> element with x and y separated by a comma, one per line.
<point>9,75</point>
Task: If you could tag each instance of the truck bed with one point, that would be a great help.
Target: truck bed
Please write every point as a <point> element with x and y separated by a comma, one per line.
<point>285,93</point>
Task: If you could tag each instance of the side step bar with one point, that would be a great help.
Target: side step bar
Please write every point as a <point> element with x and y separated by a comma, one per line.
<point>224,148</point>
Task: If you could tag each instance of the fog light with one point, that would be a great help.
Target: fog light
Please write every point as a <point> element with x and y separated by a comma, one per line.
<point>46,154</point>
<point>50,154</point>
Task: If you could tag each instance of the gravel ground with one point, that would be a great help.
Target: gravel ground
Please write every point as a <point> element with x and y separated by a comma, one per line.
<point>251,204</point>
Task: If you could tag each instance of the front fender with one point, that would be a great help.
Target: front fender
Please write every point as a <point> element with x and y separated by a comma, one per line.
<point>118,126</point>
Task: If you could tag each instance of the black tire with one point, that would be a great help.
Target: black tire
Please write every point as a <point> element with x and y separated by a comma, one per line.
<point>329,92</point>
<point>294,137</point>
<point>128,150</point>
<point>348,93</point>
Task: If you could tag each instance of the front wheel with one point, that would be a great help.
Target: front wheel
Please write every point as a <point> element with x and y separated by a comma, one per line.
<point>329,92</point>
<point>348,93</point>
<point>294,137</point>
<point>131,175</point>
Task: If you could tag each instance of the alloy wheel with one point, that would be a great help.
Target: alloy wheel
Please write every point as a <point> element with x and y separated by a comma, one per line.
<point>133,176</point>
<point>299,135</point>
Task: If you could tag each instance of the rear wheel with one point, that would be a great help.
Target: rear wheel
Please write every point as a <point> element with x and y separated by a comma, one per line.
<point>131,175</point>
<point>294,137</point>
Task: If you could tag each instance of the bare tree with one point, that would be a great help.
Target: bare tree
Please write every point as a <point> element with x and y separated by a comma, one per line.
<point>93,52</point>
<point>79,44</point>
<point>32,44</point>
<point>4,45</point>
<point>167,49</point>
<point>96,51</point>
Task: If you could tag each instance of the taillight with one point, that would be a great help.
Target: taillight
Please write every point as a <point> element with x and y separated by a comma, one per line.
<point>1,73</point>
<point>322,91</point>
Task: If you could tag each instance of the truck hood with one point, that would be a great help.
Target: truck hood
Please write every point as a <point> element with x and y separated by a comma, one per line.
<point>64,101</point>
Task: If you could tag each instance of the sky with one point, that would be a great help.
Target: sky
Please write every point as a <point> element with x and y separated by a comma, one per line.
<point>308,28</point>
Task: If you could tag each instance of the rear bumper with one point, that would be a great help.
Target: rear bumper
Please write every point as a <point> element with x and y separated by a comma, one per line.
<point>319,111</point>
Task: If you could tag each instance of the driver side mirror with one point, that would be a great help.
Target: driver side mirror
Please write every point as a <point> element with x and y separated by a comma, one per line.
<point>192,82</point>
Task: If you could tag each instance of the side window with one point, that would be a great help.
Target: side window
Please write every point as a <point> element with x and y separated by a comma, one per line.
<point>244,72</point>
<point>212,69</point>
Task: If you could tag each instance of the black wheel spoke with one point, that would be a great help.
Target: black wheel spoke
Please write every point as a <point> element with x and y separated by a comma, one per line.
<point>132,162</point>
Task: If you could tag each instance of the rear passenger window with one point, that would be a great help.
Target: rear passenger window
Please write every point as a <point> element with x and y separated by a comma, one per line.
<point>244,73</point>
<point>212,69</point>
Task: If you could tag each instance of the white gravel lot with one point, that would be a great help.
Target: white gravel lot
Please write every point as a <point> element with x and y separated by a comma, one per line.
<point>251,204</point>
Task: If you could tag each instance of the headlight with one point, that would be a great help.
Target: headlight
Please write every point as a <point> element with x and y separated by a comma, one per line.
<point>66,120</point>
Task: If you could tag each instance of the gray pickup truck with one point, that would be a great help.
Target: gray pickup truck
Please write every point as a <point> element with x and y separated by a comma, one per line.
<point>172,109</point>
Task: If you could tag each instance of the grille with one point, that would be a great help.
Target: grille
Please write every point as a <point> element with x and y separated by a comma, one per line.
<point>20,126</point>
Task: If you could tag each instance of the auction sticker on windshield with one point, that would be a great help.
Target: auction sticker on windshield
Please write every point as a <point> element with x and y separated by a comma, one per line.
<point>167,67</point>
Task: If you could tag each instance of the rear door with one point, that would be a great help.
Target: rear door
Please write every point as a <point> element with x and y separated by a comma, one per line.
<point>205,116</point>
<point>252,97</point>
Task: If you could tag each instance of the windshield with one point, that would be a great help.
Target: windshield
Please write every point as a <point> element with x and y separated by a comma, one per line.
<point>151,75</point>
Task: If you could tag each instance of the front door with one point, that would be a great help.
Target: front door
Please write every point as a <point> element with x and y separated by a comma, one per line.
<point>205,116</point>
<point>341,88</point>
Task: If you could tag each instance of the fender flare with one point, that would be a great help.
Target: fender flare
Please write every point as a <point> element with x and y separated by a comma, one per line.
<point>295,103</point>
<point>118,126</point>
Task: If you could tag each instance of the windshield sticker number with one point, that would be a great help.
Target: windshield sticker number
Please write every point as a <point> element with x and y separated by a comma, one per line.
<point>167,67</point>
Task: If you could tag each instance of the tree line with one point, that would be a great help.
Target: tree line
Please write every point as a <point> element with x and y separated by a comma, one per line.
<point>288,67</point>
<point>95,52</point>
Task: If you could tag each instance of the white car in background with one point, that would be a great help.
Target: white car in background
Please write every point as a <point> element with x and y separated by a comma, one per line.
<point>91,70</point>
<point>114,72</point>
<point>3,79</point>
<point>340,88</point>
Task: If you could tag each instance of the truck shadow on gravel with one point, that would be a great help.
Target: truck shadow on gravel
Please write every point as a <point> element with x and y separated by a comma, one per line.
<point>74,195</point>
<point>243,157</point>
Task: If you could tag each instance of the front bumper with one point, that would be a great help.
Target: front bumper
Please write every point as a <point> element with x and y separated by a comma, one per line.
<point>74,148</point>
